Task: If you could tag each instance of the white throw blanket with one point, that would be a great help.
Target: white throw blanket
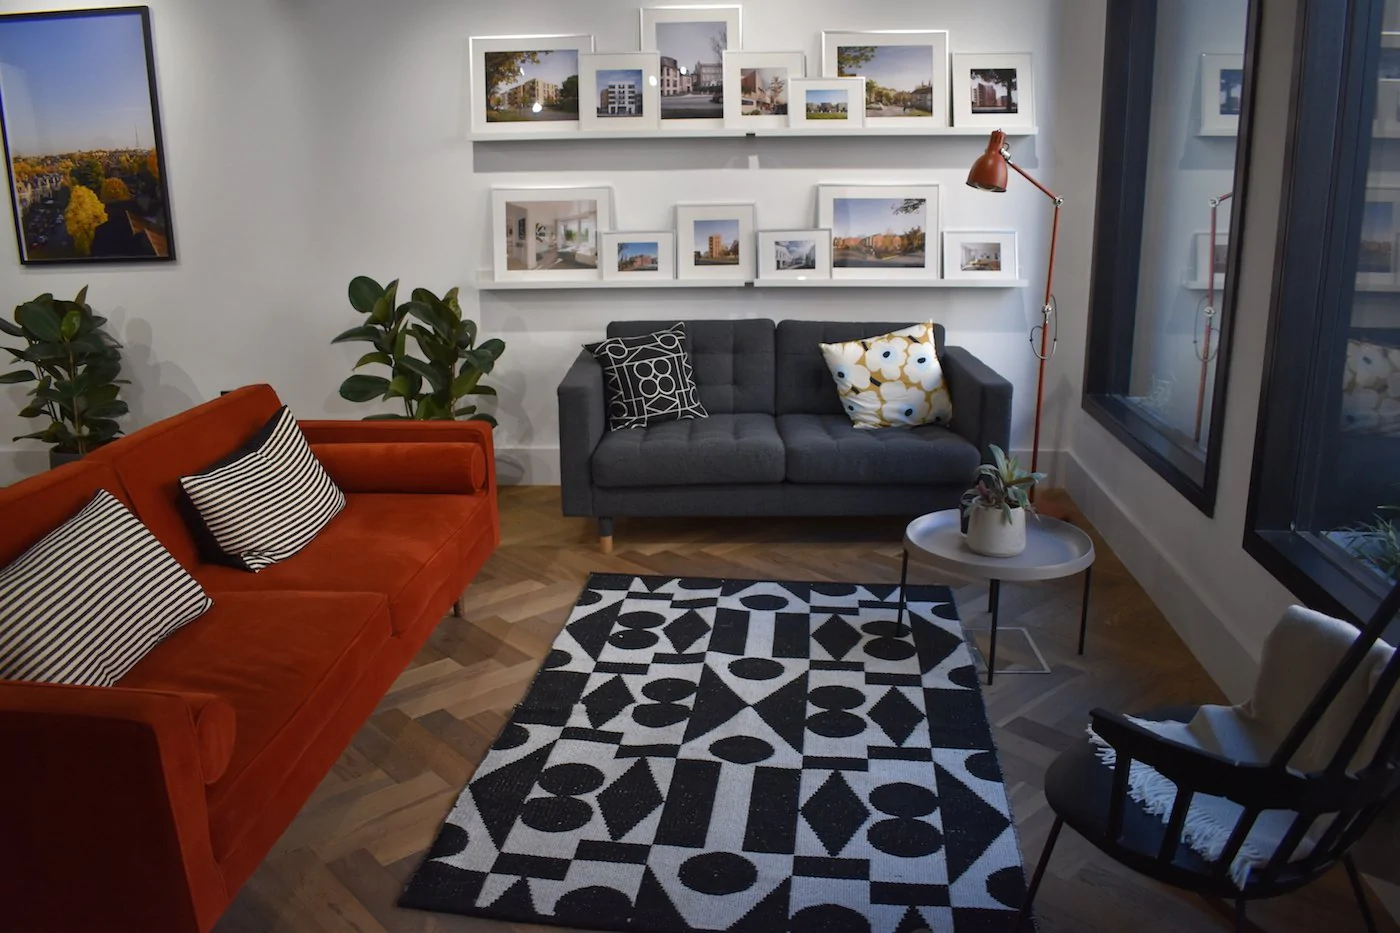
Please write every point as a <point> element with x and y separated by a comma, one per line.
<point>1299,655</point>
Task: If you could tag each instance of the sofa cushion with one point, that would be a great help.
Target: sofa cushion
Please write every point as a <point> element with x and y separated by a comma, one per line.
<point>829,449</point>
<point>891,380</point>
<point>285,662</point>
<point>731,449</point>
<point>36,506</point>
<point>648,379</point>
<point>733,361</point>
<point>403,545</point>
<point>804,385</point>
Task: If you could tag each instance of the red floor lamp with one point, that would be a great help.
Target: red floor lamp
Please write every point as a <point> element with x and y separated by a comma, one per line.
<point>989,174</point>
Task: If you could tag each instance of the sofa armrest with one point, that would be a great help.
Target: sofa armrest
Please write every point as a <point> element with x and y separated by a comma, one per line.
<point>582,421</point>
<point>452,469</point>
<point>406,432</point>
<point>981,401</point>
<point>102,800</point>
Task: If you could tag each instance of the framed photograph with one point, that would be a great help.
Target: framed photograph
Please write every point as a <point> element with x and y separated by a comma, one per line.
<point>880,231</point>
<point>1387,122</point>
<point>984,255</point>
<point>758,87</point>
<point>715,241</point>
<point>639,257</point>
<point>994,89</point>
<point>692,41</point>
<point>82,137</point>
<point>1209,257</point>
<point>905,72</point>
<point>1376,261</point>
<point>828,104</point>
<point>1222,93</point>
<point>526,84</point>
<point>794,254</point>
<point>548,234</point>
<point>620,91</point>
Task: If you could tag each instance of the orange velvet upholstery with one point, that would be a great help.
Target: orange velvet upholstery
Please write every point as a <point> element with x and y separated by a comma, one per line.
<point>144,806</point>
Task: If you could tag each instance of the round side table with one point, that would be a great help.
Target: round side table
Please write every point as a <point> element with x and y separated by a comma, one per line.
<point>1054,549</point>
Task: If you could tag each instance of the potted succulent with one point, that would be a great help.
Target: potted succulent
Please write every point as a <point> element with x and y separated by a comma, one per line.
<point>996,507</point>
<point>74,364</point>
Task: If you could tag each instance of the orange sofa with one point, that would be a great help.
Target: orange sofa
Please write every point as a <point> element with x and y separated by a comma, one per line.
<point>145,806</point>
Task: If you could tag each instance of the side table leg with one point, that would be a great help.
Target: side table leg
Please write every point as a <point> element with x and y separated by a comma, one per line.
<point>1084,609</point>
<point>995,598</point>
<point>903,599</point>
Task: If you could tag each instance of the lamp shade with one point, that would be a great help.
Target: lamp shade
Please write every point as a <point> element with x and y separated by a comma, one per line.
<point>989,171</point>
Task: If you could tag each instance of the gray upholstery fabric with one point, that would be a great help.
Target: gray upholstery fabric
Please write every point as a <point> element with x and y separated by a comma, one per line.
<point>733,361</point>
<point>804,383</point>
<point>582,423</point>
<point>829,449</point>
<point>720,449</point>
<point>981,400</point>
<point>782,499</point>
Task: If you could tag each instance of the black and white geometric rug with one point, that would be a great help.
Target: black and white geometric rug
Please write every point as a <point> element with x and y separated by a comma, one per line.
<point>743,756</point>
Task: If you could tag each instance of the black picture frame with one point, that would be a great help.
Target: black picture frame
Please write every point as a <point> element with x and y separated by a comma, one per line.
<point>1130,51</point>
<point>148,233</point>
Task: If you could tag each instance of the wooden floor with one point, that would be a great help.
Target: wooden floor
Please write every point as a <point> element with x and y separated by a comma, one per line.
<point>341,865</point>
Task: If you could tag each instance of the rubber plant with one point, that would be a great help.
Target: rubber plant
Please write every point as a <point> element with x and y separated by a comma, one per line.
<point>431,387</point>
<point>74,365</point>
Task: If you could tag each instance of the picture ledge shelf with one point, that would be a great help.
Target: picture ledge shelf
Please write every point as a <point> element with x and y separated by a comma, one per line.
<point>725,133</point>
<point>485,281</point>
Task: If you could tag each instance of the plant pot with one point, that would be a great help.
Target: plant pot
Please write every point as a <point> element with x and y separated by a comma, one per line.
<point>991,533</point>
<point>57,459</point>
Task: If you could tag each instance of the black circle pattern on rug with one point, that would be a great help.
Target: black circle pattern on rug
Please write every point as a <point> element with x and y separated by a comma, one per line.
<point>905,836</point>
<point>666,708</point>
<point>562,812</point>
<point>718,873</point>
<point>835,721</point>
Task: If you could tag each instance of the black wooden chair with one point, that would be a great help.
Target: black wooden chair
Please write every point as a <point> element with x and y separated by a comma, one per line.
<point>1094,800</point>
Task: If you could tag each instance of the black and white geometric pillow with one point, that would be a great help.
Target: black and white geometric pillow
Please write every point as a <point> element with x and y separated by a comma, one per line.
<point>648,379</point>
<point>91,598</point>
<point>268,500</point>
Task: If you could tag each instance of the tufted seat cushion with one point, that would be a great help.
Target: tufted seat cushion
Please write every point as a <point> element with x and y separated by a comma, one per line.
<point>829,449</point>
<point>721,449</point>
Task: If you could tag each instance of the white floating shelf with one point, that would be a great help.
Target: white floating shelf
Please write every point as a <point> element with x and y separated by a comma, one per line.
<point>723,133</point>
<point>486,282</point>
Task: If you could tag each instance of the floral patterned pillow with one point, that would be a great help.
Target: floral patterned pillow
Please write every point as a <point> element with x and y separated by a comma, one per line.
<point>1371,399</point>
<point>891,380</point>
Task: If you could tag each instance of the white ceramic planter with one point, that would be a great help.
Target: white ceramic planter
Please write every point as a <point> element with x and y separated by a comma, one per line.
<point>989,532</point>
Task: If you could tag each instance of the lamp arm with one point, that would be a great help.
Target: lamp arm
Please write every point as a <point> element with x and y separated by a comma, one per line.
<point>1038,186</point>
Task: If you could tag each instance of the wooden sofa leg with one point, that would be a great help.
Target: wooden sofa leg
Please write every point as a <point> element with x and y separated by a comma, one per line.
<point>605,535</point>
<point>459,607</point>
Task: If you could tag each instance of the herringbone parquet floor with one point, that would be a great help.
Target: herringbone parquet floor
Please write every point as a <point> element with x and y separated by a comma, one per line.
<point>341,864</point>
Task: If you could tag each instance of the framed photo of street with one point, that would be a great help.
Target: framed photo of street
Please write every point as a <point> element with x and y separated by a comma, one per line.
<point>692,41</point>
<point>525,84</point>
<point>881,231</point>
<point>82,137</point>
<point>832,105</point>
<point>758,88</point>
<point>905,72</point>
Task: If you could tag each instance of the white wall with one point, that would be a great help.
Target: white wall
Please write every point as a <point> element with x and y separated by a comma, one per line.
<point>312,141</point>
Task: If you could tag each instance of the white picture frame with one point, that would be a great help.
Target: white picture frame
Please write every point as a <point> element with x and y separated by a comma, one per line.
<point>758,88</point>
<point>981,255</point>
<point>624,256</point>
<point>1222,94</point>
<point>549,234</point>
<point>865,241</point>
<point>731,256</point>
<point>1378,256</point>
<point>794,254</point>
<point>1387,120</point>
<point>500,110</point>
<point>680,33</point>
<point>922,81</point>
<point>623,89</point>
<point>995,90</point>
<point>1201,249</point>
<point>828,105</point>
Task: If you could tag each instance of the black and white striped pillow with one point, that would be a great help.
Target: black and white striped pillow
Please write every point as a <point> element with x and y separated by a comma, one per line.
<point>267,501</point>
<point>87,602</point>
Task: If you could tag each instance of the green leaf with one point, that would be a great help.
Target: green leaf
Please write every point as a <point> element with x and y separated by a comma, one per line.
<point>487,418</point>
<point>14,330</point>
<point>41,320</point>
<point>363,388</point>
<point>375,357</point>
<point>82,296</point>
<point>436,318</point>
<point>364,292</point>
<point>481,390</point>
<point>399,387</point>
<point>479,359</point>
<point>400,344</point>
<point>494,347</point>
<point>466,334</point>
<point>383,311</point>
<point>429,409</point>
<point>107,410</point>
<point>424,296</point>
<point>465,384</point>
<point>363,332</point>
<point>33,411</point>
<point>72,320</point>
<point>18,376</point>
<point>435,375</point>
<point>464,410</point>
<point>386,416</point>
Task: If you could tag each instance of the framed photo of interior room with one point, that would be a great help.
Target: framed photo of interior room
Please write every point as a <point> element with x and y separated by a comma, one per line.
<point>83,146</point>
<point>905,72</point>
<point>526,84</point>
<point>548,234</point>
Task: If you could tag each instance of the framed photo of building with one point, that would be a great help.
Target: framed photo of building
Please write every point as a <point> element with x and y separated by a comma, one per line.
<point>881,231</point>
<point>1222,91</point>
<point>715,241</point>
<point>905,72</point>
<point>794,254</point>
<point>832,105</point>
<point>619,91</point>
<point>994,89</point>
<point>82,136</point>
<point>980,255</point>
<point>758,87</point>
<point>692,41</point>
<point>639,258</point>
<point>1211,258</point>
<point>1376,262</point>
<point>548,234</point>
<point>526,84</point>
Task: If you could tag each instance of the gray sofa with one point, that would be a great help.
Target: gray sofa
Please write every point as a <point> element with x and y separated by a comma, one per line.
<point>777,441</point>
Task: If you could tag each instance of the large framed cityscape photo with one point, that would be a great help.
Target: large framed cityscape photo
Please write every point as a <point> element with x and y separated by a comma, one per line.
<point>905,72</point>
<point>881,231</point>
<point>82,137</point>
<point>526,84</point>
<point>548,234</point>
<point>692,41</point>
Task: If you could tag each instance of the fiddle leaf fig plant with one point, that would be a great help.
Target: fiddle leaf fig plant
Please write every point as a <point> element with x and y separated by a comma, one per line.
<point>431,387</point>
<point>74,365</point>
